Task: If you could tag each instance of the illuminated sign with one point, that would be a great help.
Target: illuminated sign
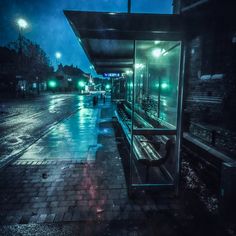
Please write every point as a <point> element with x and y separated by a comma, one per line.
<point>111,74</point>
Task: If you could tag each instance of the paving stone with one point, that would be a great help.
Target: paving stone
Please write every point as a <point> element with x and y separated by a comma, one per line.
<point>59,217</point>
<point>39,205</point>
<point>67,216</point>
<point>50,218</point>
<point>41,218</point>
<point>34,219</point>
<point>71,191</point>
<point>25,219</point>
<point>76,216</point>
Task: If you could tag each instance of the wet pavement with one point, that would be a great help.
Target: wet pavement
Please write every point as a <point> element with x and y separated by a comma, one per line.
<point>24,121</point>
<point>71,182</point>
<point>73,139</point>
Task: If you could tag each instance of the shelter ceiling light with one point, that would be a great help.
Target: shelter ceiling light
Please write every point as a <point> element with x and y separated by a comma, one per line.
<point>139,66</point>
<point>157,52</point>
<point>129,72</point>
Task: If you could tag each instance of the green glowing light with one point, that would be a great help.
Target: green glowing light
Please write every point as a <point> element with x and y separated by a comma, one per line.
<point>157,52</point>
<point>81,84</point>
<point>164,85</point>
<point>108,86</point>
<point>52,84</point>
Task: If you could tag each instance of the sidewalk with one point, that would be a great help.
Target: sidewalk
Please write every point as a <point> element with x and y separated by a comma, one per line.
<point>72,182</point>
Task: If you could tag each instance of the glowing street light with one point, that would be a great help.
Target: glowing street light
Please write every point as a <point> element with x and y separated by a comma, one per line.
<point>164,85</point>
<point>58,55</point>
<point>81,84</point>
<point>108,86</point>
<point>52,84</point>
<point>22,23</point>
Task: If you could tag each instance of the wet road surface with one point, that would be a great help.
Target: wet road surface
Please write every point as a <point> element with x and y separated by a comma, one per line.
<point>23,122</point>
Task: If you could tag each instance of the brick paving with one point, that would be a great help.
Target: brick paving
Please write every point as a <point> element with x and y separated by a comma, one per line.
<point>50,191</point>
<point>49,184</point>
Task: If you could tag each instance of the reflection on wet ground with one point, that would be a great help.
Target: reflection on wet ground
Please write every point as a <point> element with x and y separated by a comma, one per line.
<point>22,122</point>
<point>49,184</point>
<point>73,139</point>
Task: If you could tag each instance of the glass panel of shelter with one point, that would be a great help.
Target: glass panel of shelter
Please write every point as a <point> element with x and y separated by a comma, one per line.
<point>152,99</point>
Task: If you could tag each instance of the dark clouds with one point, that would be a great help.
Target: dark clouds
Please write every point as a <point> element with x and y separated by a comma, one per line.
<point>49,27</point>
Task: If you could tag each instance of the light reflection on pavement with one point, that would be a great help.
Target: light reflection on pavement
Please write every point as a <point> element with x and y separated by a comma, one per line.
<point>23,121</point>
<point>73,139</point>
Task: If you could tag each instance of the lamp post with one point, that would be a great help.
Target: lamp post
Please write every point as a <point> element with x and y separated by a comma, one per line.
<point>58,57</point>
<point>22,24</point>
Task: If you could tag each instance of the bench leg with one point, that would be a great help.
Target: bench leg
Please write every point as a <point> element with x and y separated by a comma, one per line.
<point>147,174</point>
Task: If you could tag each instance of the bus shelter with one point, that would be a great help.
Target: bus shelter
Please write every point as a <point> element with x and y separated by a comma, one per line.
<point>147,51</point>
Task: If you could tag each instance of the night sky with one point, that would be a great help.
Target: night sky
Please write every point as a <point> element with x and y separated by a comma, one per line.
<point>49,27</point>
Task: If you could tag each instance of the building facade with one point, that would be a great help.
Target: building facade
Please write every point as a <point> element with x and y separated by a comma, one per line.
<point>210,72</point>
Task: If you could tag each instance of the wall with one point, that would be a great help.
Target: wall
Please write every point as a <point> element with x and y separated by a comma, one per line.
<point>210,88</point>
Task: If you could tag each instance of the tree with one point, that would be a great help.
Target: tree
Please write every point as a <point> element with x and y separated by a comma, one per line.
<point>33,62</point>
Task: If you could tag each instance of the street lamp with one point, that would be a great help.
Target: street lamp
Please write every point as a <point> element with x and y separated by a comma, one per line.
<point>81,84</point>
<point>58,55</point>
<point>22,24</point>
<point>52,84</point>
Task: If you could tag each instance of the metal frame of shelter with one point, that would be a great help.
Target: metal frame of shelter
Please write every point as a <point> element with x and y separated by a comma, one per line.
<point>109,39</point>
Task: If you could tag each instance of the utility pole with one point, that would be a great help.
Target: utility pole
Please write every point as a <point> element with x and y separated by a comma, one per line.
<point>22,24</point>
<point>129,6</point>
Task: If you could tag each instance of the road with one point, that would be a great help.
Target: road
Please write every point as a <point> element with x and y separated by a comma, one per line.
<point>22,122</point>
